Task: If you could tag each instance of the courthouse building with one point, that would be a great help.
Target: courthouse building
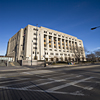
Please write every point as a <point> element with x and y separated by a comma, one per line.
<point>39,43</point>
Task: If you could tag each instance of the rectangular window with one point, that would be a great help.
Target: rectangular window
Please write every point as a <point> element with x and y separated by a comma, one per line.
<point>54,34</point>
<point>34,38</point>
<point>45,31</point>
<point>51,53</point>
<point>35,43</point>
<point>34,47</point>
<point>50,33</point>
<point>61,54</point>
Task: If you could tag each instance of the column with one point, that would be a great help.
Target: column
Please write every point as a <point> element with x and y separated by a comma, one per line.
<point>52,43</point>
<point>61,44</point>
<point>57,42</point>
<point>68,44</point>
<point>65,44</point>
<point>47,42</point>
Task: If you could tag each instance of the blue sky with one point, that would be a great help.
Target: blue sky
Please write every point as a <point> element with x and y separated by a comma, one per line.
<point>74,17</point>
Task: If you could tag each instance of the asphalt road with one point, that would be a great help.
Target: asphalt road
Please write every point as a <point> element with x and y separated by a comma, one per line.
<point>51,84</point>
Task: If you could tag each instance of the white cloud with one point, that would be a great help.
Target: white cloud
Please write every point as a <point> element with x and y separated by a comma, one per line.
<point>96,48</point>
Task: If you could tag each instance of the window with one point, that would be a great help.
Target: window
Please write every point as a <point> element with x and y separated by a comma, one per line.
<point>33,52</point>
<point>61,54</point>
<point>59,35</point>
<point>37,52</point>
<point>35,29</point>
<point>54,34</point>
<point>35,43</point>
<point>34,33</point>
<point>34,47</point>
<point>50,49</point>
<point>45,31</point>
<point>51,53</point>
<point>50,33</point>
<point>34,38</point>
<point>44,45</point>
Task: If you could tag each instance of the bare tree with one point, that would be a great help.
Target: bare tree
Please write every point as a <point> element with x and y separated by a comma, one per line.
<point>78,53</point>
<point>97,54</point>
<point>91,57</point>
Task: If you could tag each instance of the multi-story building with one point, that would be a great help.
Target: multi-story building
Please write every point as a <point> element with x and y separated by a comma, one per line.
<point>39,43</point>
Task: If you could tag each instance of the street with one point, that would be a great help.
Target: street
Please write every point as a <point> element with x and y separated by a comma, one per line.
<point>66,83</point>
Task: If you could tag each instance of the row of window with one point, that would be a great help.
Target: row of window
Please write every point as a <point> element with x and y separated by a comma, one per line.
<point>60,54</point>
<point>59,35</point>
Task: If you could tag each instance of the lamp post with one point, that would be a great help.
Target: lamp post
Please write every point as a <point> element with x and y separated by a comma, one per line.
<point>94,28</point>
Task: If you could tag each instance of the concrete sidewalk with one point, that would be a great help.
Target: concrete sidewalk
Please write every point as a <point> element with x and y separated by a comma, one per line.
<point>27,68</point>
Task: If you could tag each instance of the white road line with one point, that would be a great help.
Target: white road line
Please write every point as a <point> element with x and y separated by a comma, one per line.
<point>2,77</point>
<point>48,82</point>
<point>68,84</point>
<point>27,73</point>
<point>44,83</point>
<point>73,93</point>
<point>93,81</point>
<point>62,76</point>
<point>79,76</point>
<point>49,75</point>
<point>37,72</point>
<point>87,88</point>
<point>30,81</point>
<point>14,80</point>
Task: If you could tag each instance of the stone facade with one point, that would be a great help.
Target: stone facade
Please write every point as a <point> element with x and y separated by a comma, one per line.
<point>39,43</point>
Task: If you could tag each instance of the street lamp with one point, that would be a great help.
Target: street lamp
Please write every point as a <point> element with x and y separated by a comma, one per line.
<point>94,28</point>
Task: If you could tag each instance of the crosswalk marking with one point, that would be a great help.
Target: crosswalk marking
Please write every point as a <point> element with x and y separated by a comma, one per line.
<point>44,83</point>
<point>50,75</point>
<point>73,93</point>
<point>14,80</point>
<point>68,84</point>
<point>49,80</point>
<point>87,88</point>
<point>63,76</point>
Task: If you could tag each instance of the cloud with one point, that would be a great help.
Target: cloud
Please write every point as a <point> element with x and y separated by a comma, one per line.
<point>96,48</point>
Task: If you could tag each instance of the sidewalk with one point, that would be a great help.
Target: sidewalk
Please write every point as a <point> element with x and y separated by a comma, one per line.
<point>28,68</point>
